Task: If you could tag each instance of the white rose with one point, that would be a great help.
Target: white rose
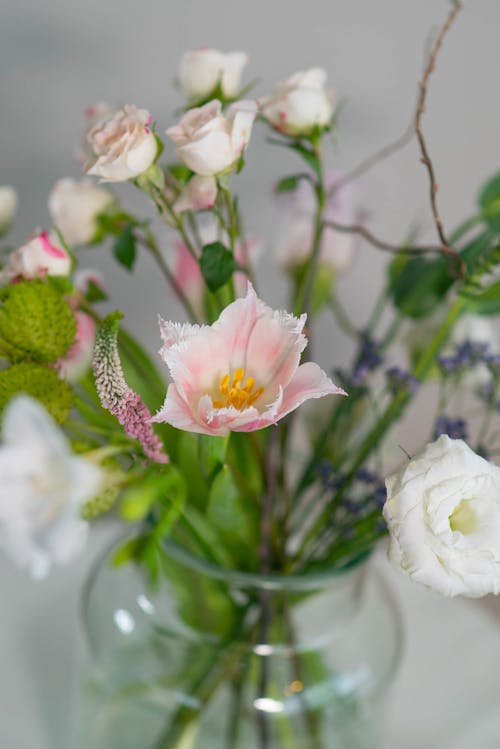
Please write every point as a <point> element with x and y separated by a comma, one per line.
<point>74,207</point>
<point>202,70</point>
<point>94,114</point>
<point>299,104</point>
<point>43,488</point>
<point>209,142</point>
<point>41,256</point>
<point>199,194</point>
<point>443,513</point>
<point>123,145</point>
<point>8,207</point>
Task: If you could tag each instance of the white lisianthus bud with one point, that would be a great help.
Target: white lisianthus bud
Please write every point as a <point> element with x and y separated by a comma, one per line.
<point>124,145</point>
<point>201,71</point>
<point>209,142</point>
<point>8,207</point>
<point>300,104</point>
<point>74,207</point>
<point>43,488</point>
<point>443,513</point>
<point>41,256</point>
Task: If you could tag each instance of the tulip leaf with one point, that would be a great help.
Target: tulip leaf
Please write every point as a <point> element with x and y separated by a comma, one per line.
<point>212,454</point>
<point>125,249</point>
<point>217,265</point>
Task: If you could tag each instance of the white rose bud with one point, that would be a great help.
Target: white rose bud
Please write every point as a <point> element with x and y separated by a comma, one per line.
<point>443,513</point>
<point>74,207</point>
<point>8,207</point>
<point>209,142</point>
<point>41,256</point>
<point>300,104</point>
<point>202,70</point>
<point>124,145</point>
<point>199,194</point>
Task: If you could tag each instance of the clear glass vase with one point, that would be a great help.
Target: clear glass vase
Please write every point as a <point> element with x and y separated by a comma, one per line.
<point>217,659</point>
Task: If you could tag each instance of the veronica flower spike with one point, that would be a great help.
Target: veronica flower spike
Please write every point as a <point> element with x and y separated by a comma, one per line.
<point>240,374</point>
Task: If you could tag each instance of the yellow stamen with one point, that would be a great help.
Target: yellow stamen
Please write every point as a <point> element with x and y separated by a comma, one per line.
<point>234,393</point>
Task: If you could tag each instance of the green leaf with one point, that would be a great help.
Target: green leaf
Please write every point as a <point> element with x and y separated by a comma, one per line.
<point>287,184</point>
<point>125,250</point>
<point>94,293</point>
<point>421,286</point>
<point>167,487</point>
<point>41,383</point>
<point>489,202</point>
<point>212,454</point>
<point>486,302</point>
<point>36,323</point>
<point>217,265</point>
<point>308,155</point>
<point>180,172</point>
<point>231,515</point>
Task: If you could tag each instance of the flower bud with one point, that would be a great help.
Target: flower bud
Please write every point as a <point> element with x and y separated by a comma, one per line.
<point>202,71</point>
<point>300,104</point>
<point>74,207</point>
<point>8,206</point>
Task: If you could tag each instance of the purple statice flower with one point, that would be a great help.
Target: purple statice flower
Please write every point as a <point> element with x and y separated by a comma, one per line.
<point>493,363</point>
<point>399,379</point>
<point>456,429</point>
<point>116,396</point>
<point>367,360</point>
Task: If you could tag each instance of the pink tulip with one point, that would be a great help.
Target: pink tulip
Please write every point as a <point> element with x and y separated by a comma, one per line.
<point>240,374</point>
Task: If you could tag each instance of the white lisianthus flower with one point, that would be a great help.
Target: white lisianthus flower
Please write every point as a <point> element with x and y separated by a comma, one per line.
<point>8,207</point>
<point>124,145</point>
<point>443,514</point>
<point>74,207</point>
<point>43,488</point>
<point>202,70</point>
<point>300,104</point>
<point>209,142</point>
<point>41,256</point>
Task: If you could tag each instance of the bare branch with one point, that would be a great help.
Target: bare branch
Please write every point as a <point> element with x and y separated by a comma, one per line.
<point>395,249</point>
<point>425,157</point>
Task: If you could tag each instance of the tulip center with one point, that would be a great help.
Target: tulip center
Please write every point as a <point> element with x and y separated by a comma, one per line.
<point>463,518</point>
<point>239,392</point>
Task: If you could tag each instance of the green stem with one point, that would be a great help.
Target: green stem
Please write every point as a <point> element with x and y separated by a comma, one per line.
<point>342,317</point>
<point>464,227</point>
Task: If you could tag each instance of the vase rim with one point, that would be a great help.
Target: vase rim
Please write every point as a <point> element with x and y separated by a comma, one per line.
<point>265,581</point>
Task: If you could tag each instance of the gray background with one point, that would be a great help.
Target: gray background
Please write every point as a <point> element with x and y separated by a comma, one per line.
<point>59,56</point>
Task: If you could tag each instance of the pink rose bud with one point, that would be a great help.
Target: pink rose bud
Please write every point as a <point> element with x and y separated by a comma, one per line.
<point>41,256</point>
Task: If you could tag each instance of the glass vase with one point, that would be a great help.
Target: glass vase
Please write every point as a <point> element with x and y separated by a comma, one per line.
<point>214,658</point>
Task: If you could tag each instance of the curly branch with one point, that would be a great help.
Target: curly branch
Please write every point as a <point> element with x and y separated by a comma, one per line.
<point>395,249</point>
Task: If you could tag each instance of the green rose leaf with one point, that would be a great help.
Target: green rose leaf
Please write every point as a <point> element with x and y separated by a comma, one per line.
<point>36,323</point>
<point>41,383</point>
<point>125,249</point>
<point>287,184</point>
<point>217,265</point>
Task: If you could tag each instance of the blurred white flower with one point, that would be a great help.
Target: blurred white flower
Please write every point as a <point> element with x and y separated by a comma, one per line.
<point>209,142</point>
<point>295,240</point>
<point>74,207</point>
<point>300,104</point>
<point>42,255</point>
<point>443,513</point>
<point>124,145</point>
<point>43,488</point>
<point>199,194</point>
<point>202,70</point>
<point>8,207</point>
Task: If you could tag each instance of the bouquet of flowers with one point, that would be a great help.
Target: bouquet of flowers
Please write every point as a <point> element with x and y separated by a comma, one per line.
<point>227,462</point>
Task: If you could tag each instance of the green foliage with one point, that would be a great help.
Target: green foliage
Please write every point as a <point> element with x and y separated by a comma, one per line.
<point>419,285</point>
<point>489,202</point>
<point>180,172</point>
<point>217,265</point>
<point>212,454</point>
<point>100,504</point>
<point>41,383</point>
<point>308,154</point>
<point>36,323</point>
<point>287,184</point>
<point>125,248</point>
<point>165,485</point>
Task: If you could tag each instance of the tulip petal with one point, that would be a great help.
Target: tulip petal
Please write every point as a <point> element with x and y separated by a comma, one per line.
<point>309,382</point>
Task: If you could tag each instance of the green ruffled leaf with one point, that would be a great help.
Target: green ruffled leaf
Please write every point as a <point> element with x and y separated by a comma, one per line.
<point>41,383</point>
<point>125,248</point>
<point>217,265</point>
<point>36,323</point>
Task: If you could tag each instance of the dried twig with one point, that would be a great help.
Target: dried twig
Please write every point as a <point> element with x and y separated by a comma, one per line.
<point>425,157</point>
<point>395,249</point>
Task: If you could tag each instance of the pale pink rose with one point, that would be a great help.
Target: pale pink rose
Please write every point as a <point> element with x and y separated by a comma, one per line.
<point>199,194</point>
<point>300,104</point>
<point>74,207</point>
<point>202,70</point>
<point>94,114</point>
<point>338,249</point>
<point>240,374</point>
<point>209,142</point>
<point>124,145</point>
<point>79,357</point>
<point>41,256</point>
